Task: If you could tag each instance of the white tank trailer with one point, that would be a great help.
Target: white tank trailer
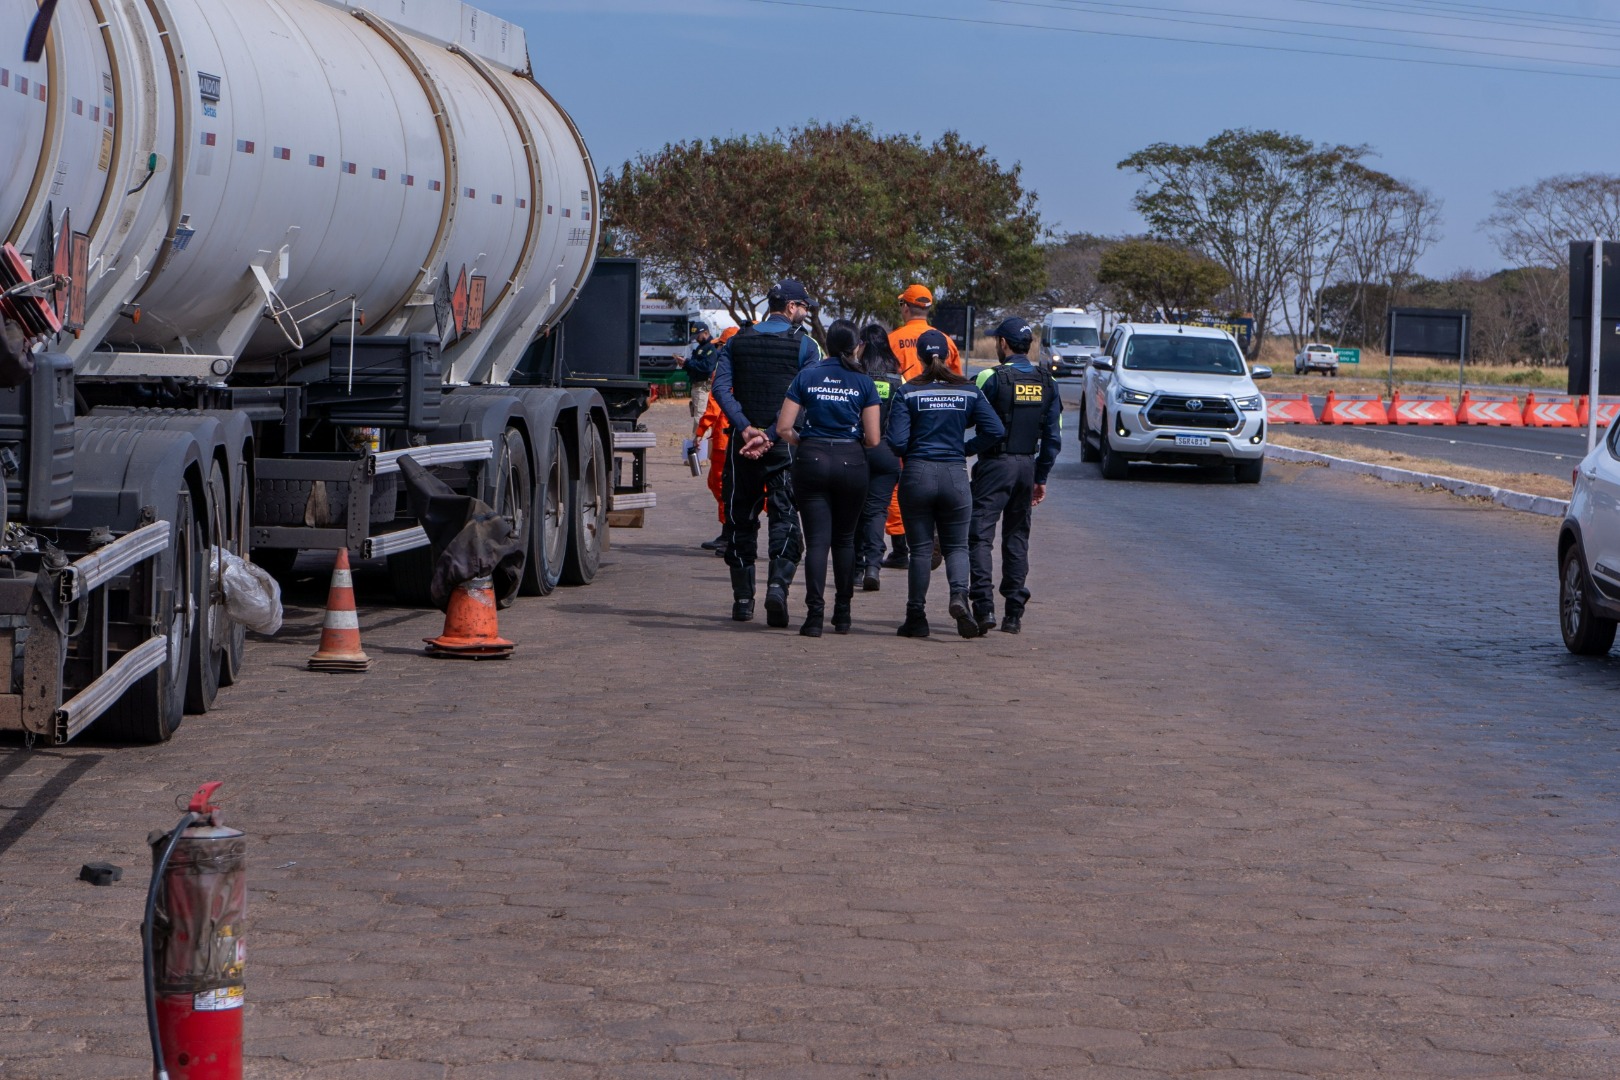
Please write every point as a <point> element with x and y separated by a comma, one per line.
<point>301,240</point>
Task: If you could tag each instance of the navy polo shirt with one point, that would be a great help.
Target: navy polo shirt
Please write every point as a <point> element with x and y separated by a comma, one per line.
<point>832,397</point>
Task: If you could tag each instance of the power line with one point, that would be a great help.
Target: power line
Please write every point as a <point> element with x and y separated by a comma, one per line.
<point>1521,22</point>
<point>1003,24</point>
<point>1093,6</point>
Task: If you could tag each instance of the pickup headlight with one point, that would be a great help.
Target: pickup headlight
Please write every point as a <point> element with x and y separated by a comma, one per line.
<point>1126,396</point>
<point>1251,404</point>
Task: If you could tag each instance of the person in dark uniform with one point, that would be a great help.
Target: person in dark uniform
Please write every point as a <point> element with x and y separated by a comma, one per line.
<point>839,407</point>
<point>751,376</point>
<point>1009,479</point>
<point>699,368</point>
<point>883,468</point>
<point>928,429</point>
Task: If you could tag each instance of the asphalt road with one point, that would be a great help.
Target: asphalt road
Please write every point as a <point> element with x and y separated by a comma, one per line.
<point>1293,780</point>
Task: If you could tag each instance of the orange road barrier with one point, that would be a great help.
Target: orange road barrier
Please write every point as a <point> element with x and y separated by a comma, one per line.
<point>1607,411</point>
<point>1492,410</point>
<point>1424,409</point>
<point>470,630</point>
<point>1552,410</point>
<point>1354,409</point>
<point>340,633</point>
<point>1290,410</point>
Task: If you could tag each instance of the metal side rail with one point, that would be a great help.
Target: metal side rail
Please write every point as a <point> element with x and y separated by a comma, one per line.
<point>76,715</point>
<point>635,440</point>
<point>376,547</point>
<point>104,564</point>
<point>634,500</point>
<point>429,456</point>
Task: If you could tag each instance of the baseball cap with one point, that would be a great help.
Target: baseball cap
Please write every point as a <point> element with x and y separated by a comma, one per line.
<point>1014,331</point>
<point>701,328</point>
<point>789,290</point>
<point>933,345</point>
<point>917,296</point>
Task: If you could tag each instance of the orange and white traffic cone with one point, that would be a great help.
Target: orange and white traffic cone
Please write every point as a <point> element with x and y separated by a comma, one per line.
<point>471,631</point>
<point>340,634</point>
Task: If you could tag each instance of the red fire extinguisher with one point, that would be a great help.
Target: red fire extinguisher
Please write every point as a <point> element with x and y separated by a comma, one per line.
<point>193,951</point>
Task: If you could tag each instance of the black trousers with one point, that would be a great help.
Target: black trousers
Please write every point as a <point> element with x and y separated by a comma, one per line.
<point>749,486</point>
<point>829,483</point>
<point>883,472</point>
<point>1003,491</point>
<point>934,496</point>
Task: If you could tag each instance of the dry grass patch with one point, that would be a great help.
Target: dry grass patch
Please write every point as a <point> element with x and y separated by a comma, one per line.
<point>1530,483</point>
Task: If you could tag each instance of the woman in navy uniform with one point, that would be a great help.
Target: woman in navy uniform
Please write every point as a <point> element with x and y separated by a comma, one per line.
<point>928,429</point>
<point>839,407</point>
<point>883,468</point>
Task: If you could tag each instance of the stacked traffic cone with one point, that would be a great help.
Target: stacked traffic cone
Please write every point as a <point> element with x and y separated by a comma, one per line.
<point>340,634</point>
<point>470,627</point>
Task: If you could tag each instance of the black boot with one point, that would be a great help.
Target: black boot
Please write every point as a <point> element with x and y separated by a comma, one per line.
<point>776,591</point>
<point>900,557</point>
<point>841,616</point>
<point>869,578</point>
<point>811,626</point>
<point>742,593</point>
<point>1013,621</point>
<point>962,612</point>
<point>986,621</point>
<point>916,624</point>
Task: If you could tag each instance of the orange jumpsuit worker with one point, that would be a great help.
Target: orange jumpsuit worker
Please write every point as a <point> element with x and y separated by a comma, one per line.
<point>713,424</point>
<point>914,305</point>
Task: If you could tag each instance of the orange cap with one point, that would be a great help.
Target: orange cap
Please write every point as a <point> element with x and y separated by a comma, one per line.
<point>917,296</point>
<point>729,333</point>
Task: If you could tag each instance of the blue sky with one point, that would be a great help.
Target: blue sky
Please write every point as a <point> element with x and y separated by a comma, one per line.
<point>1067,101</point>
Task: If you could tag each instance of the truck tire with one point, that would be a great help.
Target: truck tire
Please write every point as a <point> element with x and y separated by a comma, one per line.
<point>587,512</point>
<point>549,535</point>
<point>151,710</point>
<point>1110,461</point>
<point>1087,451</point>
<point>510,491</point>
<point>211,641</point>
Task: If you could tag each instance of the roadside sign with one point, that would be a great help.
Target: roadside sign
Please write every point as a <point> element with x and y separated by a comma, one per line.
<point>1349,356</point>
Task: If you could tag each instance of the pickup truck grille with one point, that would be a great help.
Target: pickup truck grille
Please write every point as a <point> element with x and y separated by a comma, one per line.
<point>1173,411</point>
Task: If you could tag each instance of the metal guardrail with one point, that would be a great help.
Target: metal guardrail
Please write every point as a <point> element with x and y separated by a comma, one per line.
<point>76,715</point>
<point>645,500</point>
<point>104,564</point>
<point>376,547</point>
<point>429,456</point>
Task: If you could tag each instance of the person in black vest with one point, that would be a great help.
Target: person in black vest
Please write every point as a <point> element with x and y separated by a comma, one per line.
<point>1009,479</point>
<point>839,406</point>
<point>751,376</point>
<point>882,467</point>
<point>928,429</point>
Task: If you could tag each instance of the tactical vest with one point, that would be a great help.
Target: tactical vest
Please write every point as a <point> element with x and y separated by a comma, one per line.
<point>1020,400</point>
<point>888,388</point>
<point>762,368</point>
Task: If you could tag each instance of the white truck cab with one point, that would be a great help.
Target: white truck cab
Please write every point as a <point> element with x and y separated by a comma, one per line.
<point>666,334</point>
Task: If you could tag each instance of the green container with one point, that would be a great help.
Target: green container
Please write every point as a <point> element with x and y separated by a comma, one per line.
<point>1349,356</point>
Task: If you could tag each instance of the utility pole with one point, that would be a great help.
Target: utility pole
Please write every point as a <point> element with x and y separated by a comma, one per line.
<point>1596,345</point>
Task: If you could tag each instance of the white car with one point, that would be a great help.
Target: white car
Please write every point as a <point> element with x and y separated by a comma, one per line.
<point>1589,553</point>
<point>1173,394</point>
<point>1314,357</point>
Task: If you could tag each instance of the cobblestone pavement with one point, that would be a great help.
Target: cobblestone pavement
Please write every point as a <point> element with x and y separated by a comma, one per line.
<point>1283,781</point>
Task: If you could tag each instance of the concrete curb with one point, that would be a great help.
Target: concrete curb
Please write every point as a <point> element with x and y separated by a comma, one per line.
<point>1513,500</point>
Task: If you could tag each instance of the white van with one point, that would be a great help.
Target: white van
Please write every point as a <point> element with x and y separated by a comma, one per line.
<point>1070,337</point>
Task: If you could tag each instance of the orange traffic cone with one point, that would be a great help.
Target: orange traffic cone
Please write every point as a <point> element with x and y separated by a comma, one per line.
<point>470,627</point>
<point>340,634</point>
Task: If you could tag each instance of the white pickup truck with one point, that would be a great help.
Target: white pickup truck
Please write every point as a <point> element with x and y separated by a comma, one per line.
<point>1317,357</point>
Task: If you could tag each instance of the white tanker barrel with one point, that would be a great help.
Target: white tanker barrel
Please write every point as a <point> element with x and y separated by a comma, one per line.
<point>309,147</point>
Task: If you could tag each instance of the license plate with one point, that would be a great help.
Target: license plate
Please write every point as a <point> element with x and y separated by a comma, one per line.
<point>1192,440</point>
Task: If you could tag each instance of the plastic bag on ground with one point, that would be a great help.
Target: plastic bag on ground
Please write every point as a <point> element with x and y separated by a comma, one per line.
<point>252,596</point>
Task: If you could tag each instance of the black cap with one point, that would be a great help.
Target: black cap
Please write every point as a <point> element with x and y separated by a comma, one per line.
<point>702,328</point>
<point>933,345</point>
<point>790,291</point>
<point>1016,333</point>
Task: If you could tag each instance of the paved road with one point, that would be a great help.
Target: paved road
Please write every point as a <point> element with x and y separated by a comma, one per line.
<point>1290,780</point>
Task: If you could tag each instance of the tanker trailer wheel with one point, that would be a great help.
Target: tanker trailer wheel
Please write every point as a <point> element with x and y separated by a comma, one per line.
<point>588,510</point>
<point>236,645</point>
<point>150,710</point>
<point>549,533</point>
<point>211,642</point>
<point>510,490</point>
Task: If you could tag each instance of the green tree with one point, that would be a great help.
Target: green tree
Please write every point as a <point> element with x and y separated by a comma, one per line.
<point>1148,277</point>
<point>852,214</point>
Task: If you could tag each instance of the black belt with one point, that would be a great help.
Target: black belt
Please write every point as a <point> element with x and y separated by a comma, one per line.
<point>999,452</point>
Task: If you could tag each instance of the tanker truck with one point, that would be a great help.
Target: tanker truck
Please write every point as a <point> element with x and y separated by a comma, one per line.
<point>289,243</point>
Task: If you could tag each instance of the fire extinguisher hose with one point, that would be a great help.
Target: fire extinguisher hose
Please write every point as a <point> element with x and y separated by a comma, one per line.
<point>148,961</point>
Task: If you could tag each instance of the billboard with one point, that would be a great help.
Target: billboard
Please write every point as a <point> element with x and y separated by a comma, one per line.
<point>1438,333</point>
